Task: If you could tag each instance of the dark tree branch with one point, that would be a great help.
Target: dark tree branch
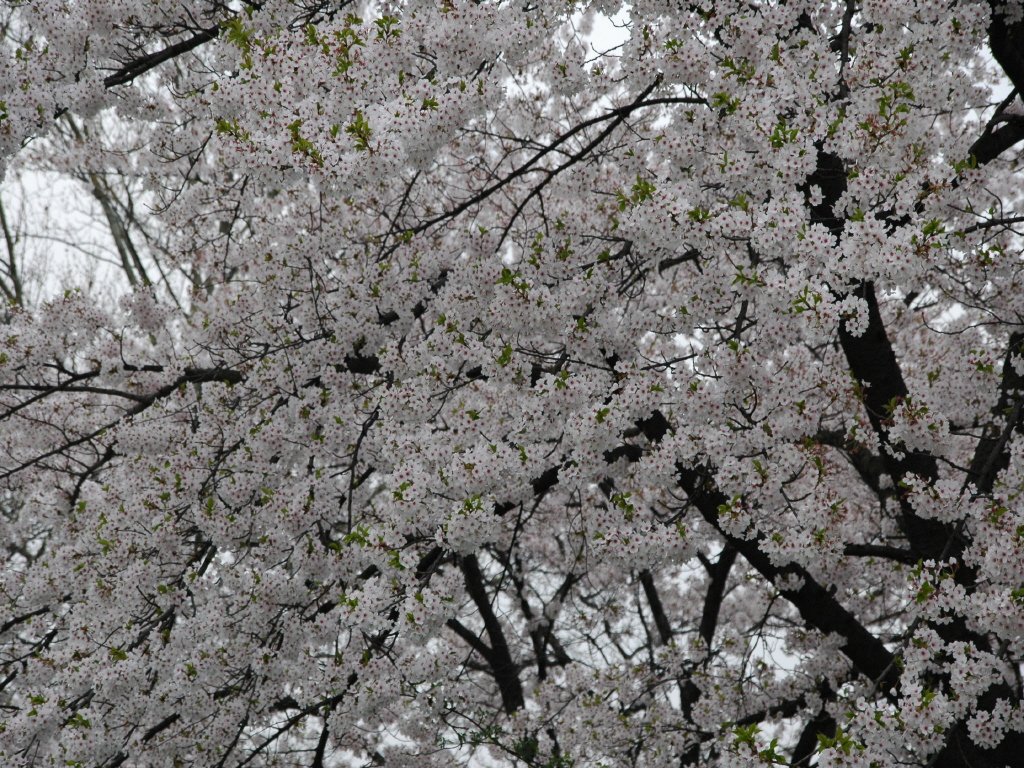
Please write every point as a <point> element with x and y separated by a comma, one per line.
<point>23,618</point>
<point>992,143</point>
<point>144,64</point>
<point>873,363</point>
<point>657,609</point>
<point>990,455</point>
<point>896,554</point>
<point>816,606</point>
<point>120,758</point>
<point>877,371</point>
<point>716,591</point>
<point>616,115</point>
<point>321,747</point>
<point>504,669</point>
<point>822,724</point>
<point>471,638</point>
<point>1006,41</point>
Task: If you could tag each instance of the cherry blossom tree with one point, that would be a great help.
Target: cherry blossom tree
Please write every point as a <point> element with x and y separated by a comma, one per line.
<point>517,384</point>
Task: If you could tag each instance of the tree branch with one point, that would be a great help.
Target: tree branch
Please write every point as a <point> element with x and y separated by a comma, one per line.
<point>716,591</point>
<point>471,638</point>
<point>896,554</point>
<point>990,455</point>
<point>657,609</point>
<point>505,673</point>
<point>143,64</point>
<point>1004,41</point>
<point>816,606</point>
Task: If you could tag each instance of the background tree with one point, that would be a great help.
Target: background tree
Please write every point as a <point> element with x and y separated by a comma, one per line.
<point>477,390</point>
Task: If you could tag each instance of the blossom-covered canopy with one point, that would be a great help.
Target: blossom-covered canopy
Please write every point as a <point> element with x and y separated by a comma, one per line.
<point>516,383</point>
